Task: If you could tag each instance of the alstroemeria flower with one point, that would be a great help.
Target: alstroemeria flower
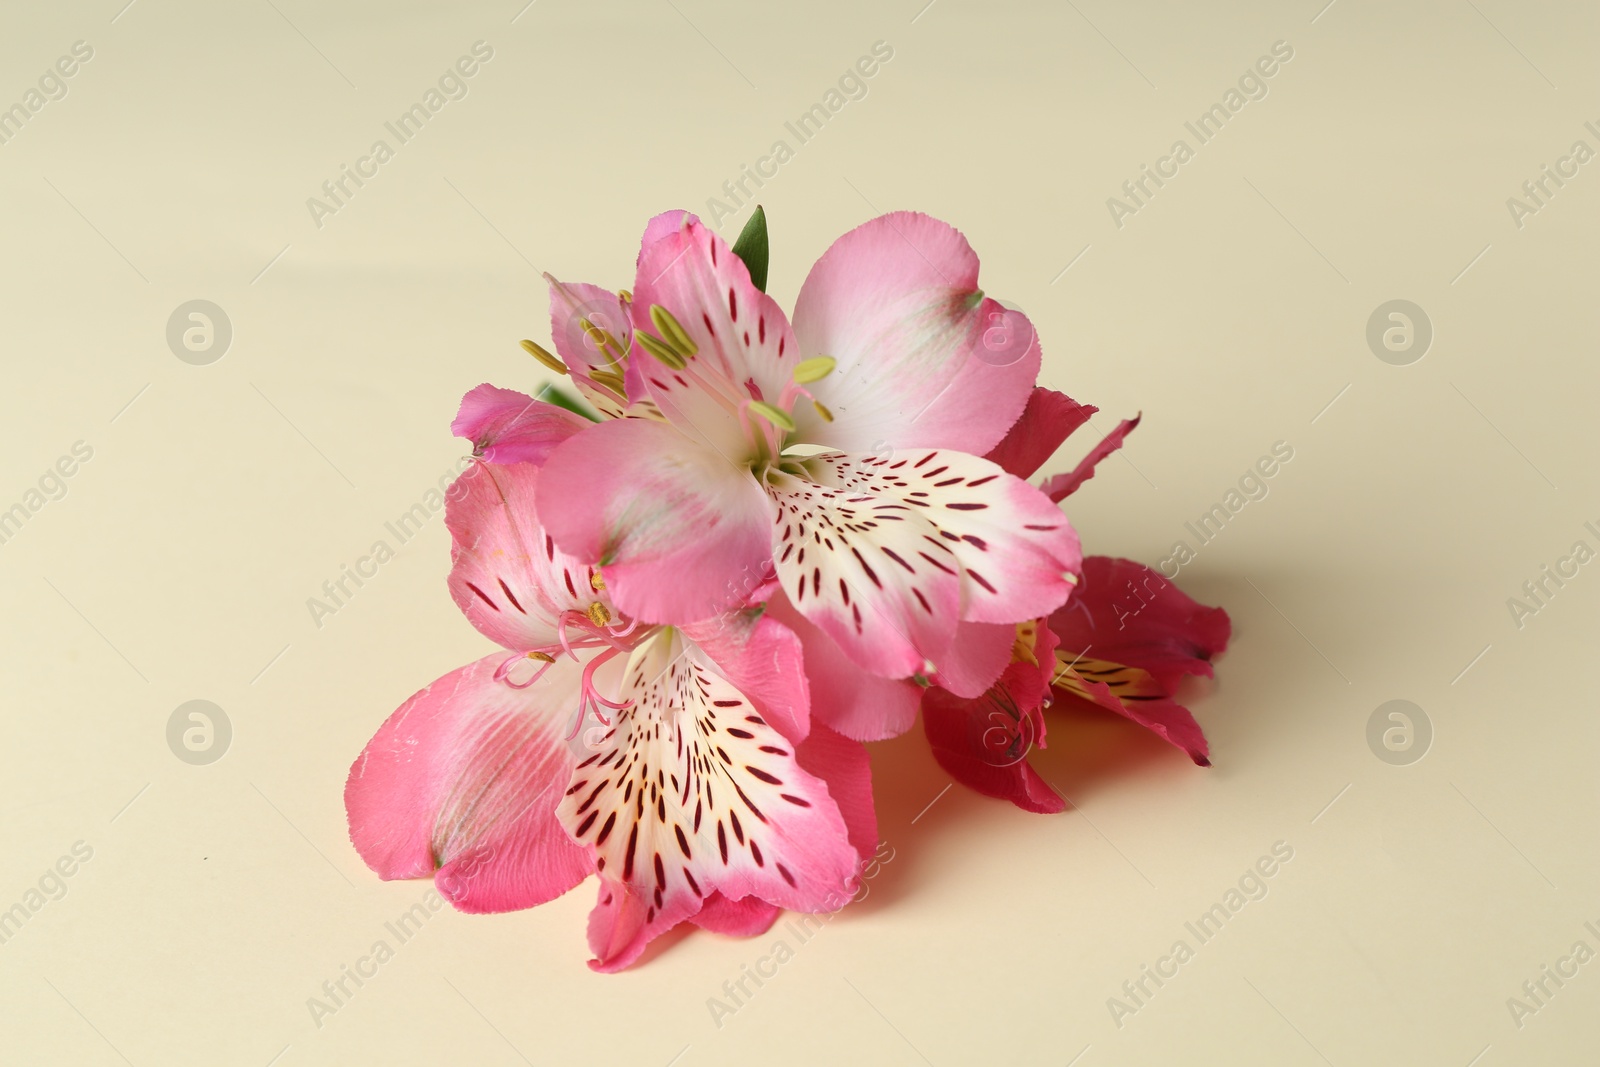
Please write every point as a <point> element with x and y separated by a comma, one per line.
<point>841,452</point>
<point>709,798</point>
<point>1123,642</point>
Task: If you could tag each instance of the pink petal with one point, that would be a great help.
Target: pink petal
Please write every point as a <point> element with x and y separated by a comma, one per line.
<point>749,917</point>
<point>1137,629</point>
<point>578,314</point>
<point>845,696</point>
<point>844,765</point>
<point>923,362</point>
<point>1167,719</point>
<point>980,652</point>
<point>664,225</point>
<point>674,525</point>
<point>984,742</point>
<point>1047,421</point>
<point>625,920</point>
<point>745,348</point>
<point>508,576</point>
<point>1061,486</point>
<point>461,783</point>
<point>693,792</point>
<point>506,426</point>
<point>1129,613</point>
<point>761,658</point>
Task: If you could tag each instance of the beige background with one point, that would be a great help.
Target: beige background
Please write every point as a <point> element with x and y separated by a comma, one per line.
<point>1231,310</point>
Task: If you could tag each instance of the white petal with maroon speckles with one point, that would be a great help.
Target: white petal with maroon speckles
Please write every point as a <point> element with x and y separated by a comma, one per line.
<point>869,570</point>
<point>1009,548</point>
<point>693,792</point>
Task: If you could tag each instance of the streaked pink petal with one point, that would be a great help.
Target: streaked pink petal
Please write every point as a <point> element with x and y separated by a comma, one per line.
<point>867,568</point>
<point>1141,702</point>
<point>1138,635</point>
<point>508,576</point>
<point>461,784</point>
<point>1047,421</point>
<point>762,658</point>
<point>923,360</point>
<point>1061,486</point>
<point>668,520</point>
<point>745,348</point>
<point>693,792</point>
<point>506,426</point>
<point>1016,554</point>
<point>1132,614</point>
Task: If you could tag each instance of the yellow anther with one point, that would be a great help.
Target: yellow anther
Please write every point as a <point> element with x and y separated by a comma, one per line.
<point>672,331</point>
<point>543,356</point>
<point>661,350</point>
<point>596,582</point>
<point>822,409</point>
<point>777,416</point>
<point>598,614</point>
<point>542,657</point>
<point>814,369</point>
<point>608,380</point>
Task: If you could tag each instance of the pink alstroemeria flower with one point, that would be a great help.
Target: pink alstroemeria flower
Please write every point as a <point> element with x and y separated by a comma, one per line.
<point>1123,642</point>
<point>840,452</point>
<point>710,798</point>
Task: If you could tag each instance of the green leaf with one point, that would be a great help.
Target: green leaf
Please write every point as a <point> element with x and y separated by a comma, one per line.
<point>552,394</point>
<point>752,247</point>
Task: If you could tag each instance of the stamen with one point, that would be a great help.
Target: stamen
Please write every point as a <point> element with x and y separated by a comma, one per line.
<point>822,409</point>
<point>542,657</point>
<point>502,673</point>
<point>776,416</point>
<point>660,349</point>
<point>543,356</point>
<point>672,330</point>
<point>598,614</point>
<point>814,369</point>
<point>609,380</point>
<point>596,582</point>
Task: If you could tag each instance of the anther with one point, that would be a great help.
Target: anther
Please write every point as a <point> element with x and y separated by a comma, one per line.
<point>543,356</point>
<point>814,369</point>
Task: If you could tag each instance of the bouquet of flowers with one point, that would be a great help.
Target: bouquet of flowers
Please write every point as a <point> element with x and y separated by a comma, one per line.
<point>759,541</point>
